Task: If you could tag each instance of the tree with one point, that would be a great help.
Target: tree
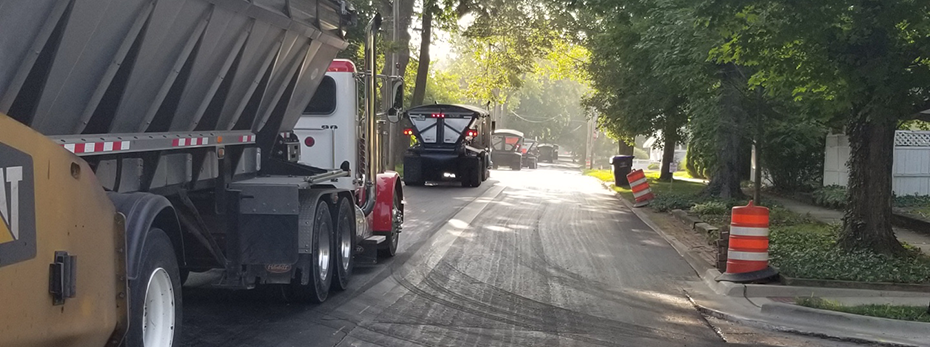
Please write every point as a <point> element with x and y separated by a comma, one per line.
<point>636,91</point>
<point>869,59</point>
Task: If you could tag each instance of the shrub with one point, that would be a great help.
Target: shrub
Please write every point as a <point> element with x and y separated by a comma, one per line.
<point>910,201</point>
<point>668,202</point>
<point>653,166</point>
<point>711,208</point>
<point>832,196</point>
<point>810,251</point>
<point>792,155</point>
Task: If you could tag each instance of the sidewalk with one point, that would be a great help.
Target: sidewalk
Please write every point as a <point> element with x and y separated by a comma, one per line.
<point>773,306</point>
<point>831,216</point>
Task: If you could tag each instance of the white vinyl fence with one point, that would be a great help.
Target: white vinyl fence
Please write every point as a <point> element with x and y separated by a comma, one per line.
<point>911,172</point>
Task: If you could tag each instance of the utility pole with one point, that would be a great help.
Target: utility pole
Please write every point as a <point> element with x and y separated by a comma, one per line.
<point>589,143</point>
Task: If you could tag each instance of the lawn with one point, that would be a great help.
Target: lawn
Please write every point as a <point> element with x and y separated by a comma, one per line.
<point>908,313</point>
<point>677,191</point>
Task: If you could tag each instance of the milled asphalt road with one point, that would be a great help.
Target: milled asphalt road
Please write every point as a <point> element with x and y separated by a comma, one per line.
<point>540,257</point>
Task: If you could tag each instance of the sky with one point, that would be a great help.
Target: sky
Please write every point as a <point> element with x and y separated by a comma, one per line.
<point>441,50</point>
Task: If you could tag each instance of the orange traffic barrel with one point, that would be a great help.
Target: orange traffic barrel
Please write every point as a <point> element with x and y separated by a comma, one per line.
<point>640,186</point>
<point>748,250</point>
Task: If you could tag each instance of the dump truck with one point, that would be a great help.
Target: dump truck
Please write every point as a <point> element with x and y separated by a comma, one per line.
<point>452,142</point>
<point>507,148</point>
<point>142,140</point>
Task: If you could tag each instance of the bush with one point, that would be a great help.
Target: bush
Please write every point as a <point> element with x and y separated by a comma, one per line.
<point>668,202</point>
<point>653,166</point>
<point>781,216</point>
<point>832,196</point>
<point>792,154</point>
<point>810,251</point>
<point>910,201</point>
<point>711,208</point>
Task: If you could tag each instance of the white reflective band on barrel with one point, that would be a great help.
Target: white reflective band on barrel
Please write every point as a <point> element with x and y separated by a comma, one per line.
<point>748,256</point>
<point>747,231</point>
<point>642,192</point>
<point>638,182</point>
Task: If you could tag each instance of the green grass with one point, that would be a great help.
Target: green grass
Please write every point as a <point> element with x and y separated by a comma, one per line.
<point>908,313</point>
<point>399,168</point>
<point>669,195</point>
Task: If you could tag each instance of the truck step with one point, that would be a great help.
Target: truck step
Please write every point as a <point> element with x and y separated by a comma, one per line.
<point>374,240</point>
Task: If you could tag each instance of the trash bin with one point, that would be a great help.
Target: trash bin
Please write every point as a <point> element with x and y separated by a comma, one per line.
<point>622,165</point>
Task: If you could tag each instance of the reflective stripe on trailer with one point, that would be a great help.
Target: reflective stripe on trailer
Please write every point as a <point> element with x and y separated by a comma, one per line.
<point>103,144</point>
<point>185,142</point>
<point>97,147</point>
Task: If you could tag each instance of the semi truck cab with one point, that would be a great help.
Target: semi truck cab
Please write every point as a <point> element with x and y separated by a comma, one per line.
<point>328,129</point>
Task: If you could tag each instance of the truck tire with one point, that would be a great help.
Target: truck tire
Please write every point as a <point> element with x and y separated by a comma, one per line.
<point>414,183</point>
<point>155,295</point>
<point>516,167</point>
<point>389,248</point>
<point>321,262</point>
<point>343,245</point>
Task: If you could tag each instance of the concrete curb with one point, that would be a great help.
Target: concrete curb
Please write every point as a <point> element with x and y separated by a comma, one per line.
<point>875,325</point>
<point>892,341</point>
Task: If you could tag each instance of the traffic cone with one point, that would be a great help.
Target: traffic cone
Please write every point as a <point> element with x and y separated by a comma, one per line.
<point>748,250</point>
<point>642,194</point>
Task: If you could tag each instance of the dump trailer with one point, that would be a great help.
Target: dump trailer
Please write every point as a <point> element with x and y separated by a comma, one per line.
<point>452,142</point>
<point>141,140</point>
<point>530,154</point>
<point>548,153</point>
<point>506,148</point>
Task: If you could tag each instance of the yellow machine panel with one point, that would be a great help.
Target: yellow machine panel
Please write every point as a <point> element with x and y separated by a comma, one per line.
<point>62,261</point>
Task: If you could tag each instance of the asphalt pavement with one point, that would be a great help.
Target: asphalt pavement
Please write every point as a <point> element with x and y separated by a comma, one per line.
<point>542,257</point>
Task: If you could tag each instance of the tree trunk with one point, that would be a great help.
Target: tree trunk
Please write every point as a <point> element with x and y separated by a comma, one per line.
<point>419,88</point>
<point>668,151</point>
<point>867,224</point>
<point>725,177</point>
<point>624,147</point>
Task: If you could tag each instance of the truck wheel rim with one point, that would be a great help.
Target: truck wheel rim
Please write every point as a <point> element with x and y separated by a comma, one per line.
<point>323,251</point>
<point>345,244</point>
<point>158,311</point>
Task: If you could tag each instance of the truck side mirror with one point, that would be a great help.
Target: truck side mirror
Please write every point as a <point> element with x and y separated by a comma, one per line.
<point>397,90</point>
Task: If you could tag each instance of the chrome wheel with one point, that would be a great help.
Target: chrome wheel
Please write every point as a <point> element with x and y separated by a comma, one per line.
<point>323,254</point>
<point>158,318</point>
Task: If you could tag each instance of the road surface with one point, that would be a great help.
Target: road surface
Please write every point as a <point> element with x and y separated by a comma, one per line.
<point>541,257</point>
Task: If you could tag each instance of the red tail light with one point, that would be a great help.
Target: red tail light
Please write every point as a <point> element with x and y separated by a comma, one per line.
<point>309,141</point>
<point>471,133</point>
<point>408,131</point>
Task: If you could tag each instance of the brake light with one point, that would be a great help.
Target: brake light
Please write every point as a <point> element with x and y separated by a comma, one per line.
<point>438,115</point>
<point>408,131</point>
<point>471,133</point>
<point>309,141</point>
